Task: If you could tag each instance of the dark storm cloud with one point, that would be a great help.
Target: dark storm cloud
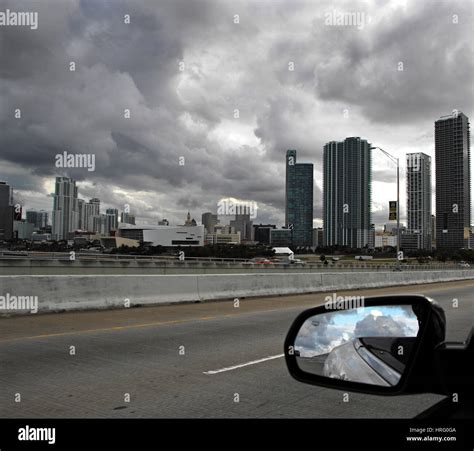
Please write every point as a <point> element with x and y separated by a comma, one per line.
<point>432,43</point>
<point>189,115</point>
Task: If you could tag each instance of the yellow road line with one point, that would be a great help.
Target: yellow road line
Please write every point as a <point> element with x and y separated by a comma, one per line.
<point>136,326</point>
<point>181,321</point>
<point>106,329</point>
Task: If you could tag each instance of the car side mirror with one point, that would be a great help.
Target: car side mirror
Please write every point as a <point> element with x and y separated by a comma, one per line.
<point>381,345</point>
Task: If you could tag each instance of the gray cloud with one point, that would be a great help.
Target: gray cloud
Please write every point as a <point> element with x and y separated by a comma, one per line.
<point>227,66</point>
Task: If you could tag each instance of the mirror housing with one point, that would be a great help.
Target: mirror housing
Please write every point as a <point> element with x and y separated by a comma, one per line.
<point>419,374</point>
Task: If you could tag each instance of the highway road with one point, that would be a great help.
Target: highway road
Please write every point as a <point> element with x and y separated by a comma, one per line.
<point>187,361</point>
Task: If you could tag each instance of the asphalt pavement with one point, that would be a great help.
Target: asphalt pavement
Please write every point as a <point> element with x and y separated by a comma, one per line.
<point>206,360</point>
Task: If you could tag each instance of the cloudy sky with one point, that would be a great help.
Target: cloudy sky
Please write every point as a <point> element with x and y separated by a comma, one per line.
<point>320,334</point>
<point>229,86</point>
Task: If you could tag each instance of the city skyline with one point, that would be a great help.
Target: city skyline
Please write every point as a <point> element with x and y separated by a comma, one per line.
<point>417,165</point>
<point>230,112</point>
<point>404,213</point>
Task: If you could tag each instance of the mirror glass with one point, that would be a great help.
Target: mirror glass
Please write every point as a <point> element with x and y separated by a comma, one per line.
<point>369,345</point>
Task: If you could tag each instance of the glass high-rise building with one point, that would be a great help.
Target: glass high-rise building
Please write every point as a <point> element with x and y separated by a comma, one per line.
<point>347,196</point>
<point>38,218</point>
<point>81,214</point>
<point>299,200</point>
<point>453,181</point>
<point>209,221</point>
<point>65,208</point>
<point>419,199</point>
<point>112,219</point>
<point>6,211</point>
<point>91,213</point>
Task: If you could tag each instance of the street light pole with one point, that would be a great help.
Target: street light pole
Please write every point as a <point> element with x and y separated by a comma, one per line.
<point>397,162</point>
<point>398,213</point>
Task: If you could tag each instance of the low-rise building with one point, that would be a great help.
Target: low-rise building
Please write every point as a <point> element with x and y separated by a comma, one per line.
<point>415,241</point>
<point>110,242</point>
<point>23,230</point>
<point>38,236</point>
<point>284,252</point>
<point>383,240</point>
<point>281,237</point>
<point>164,235</point>
<point>223,234</point>
<point>261,232</point>
<point>223,238</point>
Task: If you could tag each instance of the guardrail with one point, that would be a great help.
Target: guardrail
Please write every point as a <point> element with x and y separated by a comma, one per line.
<point>237,262</point>
<point>115,257</point>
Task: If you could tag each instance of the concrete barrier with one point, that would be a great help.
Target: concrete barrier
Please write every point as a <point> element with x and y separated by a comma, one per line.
<point>70,292</point>
<point>212,286</point>
<point>333,281</point>
<point>106,266</point>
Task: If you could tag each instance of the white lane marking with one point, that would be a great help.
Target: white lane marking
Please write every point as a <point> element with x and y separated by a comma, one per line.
<point>253,362</point>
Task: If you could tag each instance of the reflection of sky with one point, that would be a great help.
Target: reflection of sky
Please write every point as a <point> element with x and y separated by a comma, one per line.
<point>321,333</point>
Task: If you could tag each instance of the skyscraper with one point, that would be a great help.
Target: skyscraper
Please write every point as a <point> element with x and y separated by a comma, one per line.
<point>6,211</point>
<point>209,221</point>
<point>243,224</point>
<point>453,181</point>
<point>112,220</point>
<point>91,213</point>
<point>299,200</point>
<point>38,218</point>
<point>100,224</point>
<point>81,223</point>
<point>65,208</point>
<point>347,180</point>
<point>419,199</point>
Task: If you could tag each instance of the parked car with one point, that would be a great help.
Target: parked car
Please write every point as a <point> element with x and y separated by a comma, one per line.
<point>264,261</point>
<point>261,261</point>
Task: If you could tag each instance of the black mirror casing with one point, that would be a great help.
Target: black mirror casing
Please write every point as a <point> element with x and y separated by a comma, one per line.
<point>420,372</point>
